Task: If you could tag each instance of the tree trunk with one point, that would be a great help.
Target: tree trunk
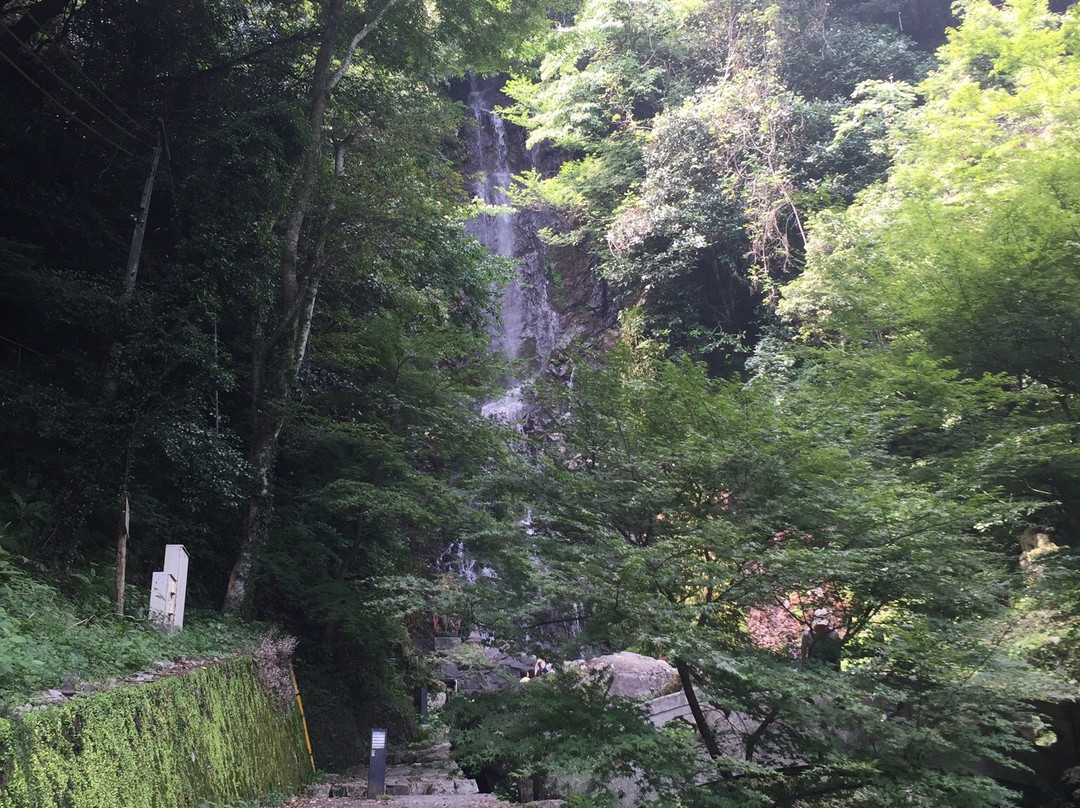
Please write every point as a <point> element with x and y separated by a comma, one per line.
<point>278,358</point>
<point>256,511</point>
<point>276,362</point>
<point>96,456</point>
<point>706,732</point>
<point>268,419</point>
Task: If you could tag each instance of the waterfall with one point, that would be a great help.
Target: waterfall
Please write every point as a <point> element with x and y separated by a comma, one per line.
<point>528,325</point>
<point>529,329</point>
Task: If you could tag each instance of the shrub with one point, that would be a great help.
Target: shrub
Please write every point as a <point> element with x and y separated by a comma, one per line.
<point>45,637</point>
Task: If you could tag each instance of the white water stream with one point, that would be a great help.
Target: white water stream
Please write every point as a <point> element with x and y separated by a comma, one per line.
<point>528,325</point>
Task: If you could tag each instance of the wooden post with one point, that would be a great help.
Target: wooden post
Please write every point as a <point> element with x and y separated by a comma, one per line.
<point>131,272</point>
<point>121,552</point>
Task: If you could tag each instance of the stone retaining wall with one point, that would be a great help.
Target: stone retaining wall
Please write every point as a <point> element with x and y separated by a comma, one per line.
<point>210,735</point>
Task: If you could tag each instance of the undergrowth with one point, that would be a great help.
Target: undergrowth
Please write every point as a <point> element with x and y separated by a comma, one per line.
<point>272,798</point>
<point>46,638</point>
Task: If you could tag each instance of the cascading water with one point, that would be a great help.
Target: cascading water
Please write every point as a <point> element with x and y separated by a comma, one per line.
<point>528,325</point>
<point>529,329</point>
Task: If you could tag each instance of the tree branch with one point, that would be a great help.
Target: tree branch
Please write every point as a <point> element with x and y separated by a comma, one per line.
<point>708,737</point>
<point>361,35</point>
<point>754,737</point>
<point>302,36</point>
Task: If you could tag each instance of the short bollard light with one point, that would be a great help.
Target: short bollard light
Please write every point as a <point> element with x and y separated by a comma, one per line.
<point>376,780</point>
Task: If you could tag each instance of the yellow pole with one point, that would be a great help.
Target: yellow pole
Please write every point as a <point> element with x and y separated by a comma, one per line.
<point>303,720</point>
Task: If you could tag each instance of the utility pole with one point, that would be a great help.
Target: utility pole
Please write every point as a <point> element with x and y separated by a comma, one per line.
<point>131,272</point>
<point>135,252</point>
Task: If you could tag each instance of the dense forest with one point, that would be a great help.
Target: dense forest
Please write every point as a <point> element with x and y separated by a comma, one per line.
<point>829,259</point>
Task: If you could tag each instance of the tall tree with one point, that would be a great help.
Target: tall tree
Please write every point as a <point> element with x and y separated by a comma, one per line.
<point>672,512</point>
<point>280,343</point>
<point>967,254</point>
<point>312,220</point>
<point>697,138</point>
<point>968,249</point>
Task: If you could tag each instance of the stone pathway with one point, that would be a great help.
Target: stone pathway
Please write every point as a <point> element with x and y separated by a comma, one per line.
<point>425,778</point>
<point>429,801</point>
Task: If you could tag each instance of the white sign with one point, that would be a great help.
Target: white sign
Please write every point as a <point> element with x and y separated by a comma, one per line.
<point>378,739</point>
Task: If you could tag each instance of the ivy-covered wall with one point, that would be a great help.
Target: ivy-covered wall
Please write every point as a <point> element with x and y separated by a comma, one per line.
<point>212,735</point>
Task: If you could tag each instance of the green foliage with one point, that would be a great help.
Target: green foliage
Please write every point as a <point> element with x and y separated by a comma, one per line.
<point>1054,644</point>
<point>566,730</point>
<point>44,636</point>
<point>698,136</point>
<point>671,508</point>
<point>964,255</point>
<point>969,241</point>
<point>212,734</point>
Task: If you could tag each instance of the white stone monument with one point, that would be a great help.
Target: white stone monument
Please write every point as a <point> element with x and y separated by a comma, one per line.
<point>169,589</point>
<point>176,564</point>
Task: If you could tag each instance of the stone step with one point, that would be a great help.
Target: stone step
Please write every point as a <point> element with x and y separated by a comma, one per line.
<point>430,771</point>
<point>431,755</point>
<point>396,786</point>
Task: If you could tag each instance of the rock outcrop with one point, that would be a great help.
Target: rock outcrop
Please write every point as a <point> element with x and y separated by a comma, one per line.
<point>635,675</point>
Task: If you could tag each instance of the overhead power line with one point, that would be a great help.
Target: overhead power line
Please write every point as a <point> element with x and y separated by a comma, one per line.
<point>78,68</point>
<point>103,115</point>
<point>67,111</point>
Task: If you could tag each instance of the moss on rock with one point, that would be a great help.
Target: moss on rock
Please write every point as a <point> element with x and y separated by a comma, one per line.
<point>211,735</point>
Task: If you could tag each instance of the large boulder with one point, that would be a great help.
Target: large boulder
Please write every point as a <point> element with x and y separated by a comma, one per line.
<point>481,669</point>
<point>635,675</point>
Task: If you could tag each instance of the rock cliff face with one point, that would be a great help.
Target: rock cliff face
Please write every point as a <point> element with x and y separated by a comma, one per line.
<point>556,299</point>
